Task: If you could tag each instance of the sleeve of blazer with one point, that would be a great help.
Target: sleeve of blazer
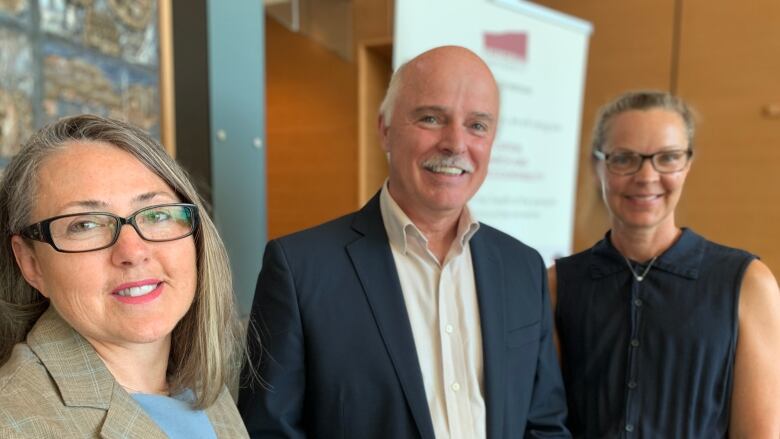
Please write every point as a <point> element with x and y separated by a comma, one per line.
<point>273,408</point>
<point>547,413</point>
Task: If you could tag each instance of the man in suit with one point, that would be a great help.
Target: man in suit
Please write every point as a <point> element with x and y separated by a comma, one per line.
<point>407,318</point>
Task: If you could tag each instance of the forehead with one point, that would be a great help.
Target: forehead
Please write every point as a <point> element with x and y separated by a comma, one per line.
<point>449,83</point>
<point>91,171</point>
<point>647,128</point>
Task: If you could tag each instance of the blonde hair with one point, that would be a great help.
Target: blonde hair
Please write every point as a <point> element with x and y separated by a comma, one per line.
<point>642,100</point>
<point>207,344</point>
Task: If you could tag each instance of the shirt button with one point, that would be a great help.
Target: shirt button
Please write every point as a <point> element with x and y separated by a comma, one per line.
<point>629,427</point>
<point>455,387</point>
<point>635,343</point>
<point>638,302</point>
<point>632,384</point>
<point>449,329</point>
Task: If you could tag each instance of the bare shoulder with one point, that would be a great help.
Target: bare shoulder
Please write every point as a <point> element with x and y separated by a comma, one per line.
<point>759,293</point>
<point>754,402</point>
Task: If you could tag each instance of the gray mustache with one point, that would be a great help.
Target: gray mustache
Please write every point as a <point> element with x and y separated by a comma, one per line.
<point>454,161</point>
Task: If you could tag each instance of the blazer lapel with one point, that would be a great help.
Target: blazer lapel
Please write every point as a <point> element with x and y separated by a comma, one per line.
<point>488,276</point>
<point>225,419</point>
<point>373,261</point>
<point>126,419</point>
<point>84,381</point>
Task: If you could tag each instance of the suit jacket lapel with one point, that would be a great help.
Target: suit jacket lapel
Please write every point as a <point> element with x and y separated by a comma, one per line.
<point>225,419</point>
<point>84,381</point>
<point>373,261</point>
<point>126,419</point>
<point>488,276</point>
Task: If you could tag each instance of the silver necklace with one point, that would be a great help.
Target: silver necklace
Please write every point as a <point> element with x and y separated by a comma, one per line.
<point>640,278</point>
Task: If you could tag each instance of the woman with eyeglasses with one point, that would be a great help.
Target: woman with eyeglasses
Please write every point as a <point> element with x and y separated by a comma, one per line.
<point>662,333</point>
<point>116,304</point>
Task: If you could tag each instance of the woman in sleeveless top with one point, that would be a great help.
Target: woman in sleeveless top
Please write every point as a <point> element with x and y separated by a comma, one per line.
<point>662,333</point>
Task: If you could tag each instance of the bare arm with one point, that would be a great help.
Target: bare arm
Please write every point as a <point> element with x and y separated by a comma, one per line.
<point>755,401</point>
<point>552,284</point>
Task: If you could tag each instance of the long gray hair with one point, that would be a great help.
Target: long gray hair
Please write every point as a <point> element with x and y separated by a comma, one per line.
<point>206,346</point>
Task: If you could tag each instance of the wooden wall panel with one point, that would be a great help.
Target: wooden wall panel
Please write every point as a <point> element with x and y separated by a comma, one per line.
<point>373,35</point>
<point>372,20</point>
<point>729,69</point>
<point>330,24</point>
<point>311,132</point>
<point>631,47</point>
<point>375,66</point>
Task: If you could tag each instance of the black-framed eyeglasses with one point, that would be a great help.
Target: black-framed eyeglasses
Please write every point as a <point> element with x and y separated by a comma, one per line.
<point>627,162</point>
<point>90,231</point>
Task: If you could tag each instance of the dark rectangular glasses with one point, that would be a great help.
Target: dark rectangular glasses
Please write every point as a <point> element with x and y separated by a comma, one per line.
<point>90,231</point>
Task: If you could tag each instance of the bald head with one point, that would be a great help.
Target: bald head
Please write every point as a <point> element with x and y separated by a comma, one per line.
<point>437,127</point>
<point>437,62</point>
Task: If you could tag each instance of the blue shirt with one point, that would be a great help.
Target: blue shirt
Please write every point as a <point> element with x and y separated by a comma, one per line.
<point>175,415</point>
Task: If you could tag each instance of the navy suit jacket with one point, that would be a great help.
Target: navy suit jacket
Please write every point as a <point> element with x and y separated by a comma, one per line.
<point>338,358</point>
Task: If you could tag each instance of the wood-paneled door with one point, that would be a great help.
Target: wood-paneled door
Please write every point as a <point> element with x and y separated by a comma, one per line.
<point>729,68</point>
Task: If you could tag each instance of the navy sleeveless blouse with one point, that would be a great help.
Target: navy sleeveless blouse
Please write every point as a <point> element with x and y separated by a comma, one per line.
<point>650,359</point>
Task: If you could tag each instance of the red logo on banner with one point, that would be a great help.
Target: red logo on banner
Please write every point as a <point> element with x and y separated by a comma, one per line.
<point>511,44</point>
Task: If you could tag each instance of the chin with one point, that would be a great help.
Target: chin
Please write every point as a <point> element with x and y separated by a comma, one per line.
<point>642,220</point>
<point>448,200</point>
<point>447,206</point>
<point>149,333</point>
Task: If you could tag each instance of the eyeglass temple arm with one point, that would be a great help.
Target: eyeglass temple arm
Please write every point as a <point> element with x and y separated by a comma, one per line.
<point>33,232</point>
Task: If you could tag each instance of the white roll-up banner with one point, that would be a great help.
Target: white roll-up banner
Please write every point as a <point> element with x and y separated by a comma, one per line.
<point>538,57</point>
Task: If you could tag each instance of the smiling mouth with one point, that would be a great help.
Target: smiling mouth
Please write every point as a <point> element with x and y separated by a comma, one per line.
<point>643,197</point>
<point>446,170</point>
<point>137,291</point>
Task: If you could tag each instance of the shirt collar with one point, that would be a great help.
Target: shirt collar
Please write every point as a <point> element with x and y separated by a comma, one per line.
<point>683,258</point>
<point>400,229</point>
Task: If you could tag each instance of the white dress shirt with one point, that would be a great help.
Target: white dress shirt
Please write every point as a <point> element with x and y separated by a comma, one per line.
<point>441,301</point>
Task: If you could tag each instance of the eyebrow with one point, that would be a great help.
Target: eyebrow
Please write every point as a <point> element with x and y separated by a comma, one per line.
<point>440,109</point>
<point>149,195</point>
<point>428,108</point>
<point>98,204</point>
<point>89,204</point>
<point>666,148</point>
<point>483,115</point>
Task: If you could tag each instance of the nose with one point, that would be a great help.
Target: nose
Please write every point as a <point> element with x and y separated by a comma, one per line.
<point>130,248</point>
<point>453,139</point>
<point>646,171</point>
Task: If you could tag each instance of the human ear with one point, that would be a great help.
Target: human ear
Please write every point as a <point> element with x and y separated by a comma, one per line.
<point>28,263</point>
<point>383,129</point>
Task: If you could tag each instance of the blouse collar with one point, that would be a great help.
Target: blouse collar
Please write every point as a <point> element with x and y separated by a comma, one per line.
<point>683,258</point>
